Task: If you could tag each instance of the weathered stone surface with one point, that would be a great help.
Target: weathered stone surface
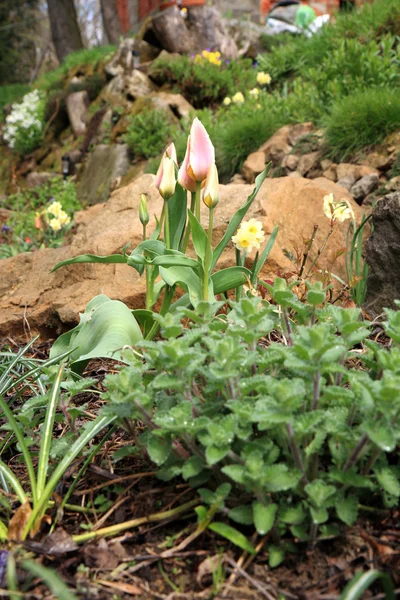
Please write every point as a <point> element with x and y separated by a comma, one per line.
<point>170,28</point>
<point>132,86</point>
<point>298,131</point>
<point>122,61</point>
<point>291,161</point>
<point>393,184</point>
<point>175,102</point>
<point>50,302</point>
<point>105,164</point>
<point>379,160</point>
<point>207,25</point>
<point>364,186</point>
<point>307,162</point>
<point>356,171</point>
<point>347,182</point>
<point>77,104</point>
<point>35,179</point>
<point>383,256</point>
<point>253,166</point>
<point>330,171</point>
<point>277,146</point>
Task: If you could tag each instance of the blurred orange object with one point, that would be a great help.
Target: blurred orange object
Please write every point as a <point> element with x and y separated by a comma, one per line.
<point>265,7</point>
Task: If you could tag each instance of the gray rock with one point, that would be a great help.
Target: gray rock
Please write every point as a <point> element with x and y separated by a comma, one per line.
<point>36,179</point>
<point>104,166</point>
<point>383,256</point>
<point>347,182</point>
<point>364,186</point>
<point>77,104</point>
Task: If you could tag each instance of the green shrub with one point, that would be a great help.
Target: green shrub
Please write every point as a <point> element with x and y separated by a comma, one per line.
<point>148,133</point>
<point>360,120</point>
<point>204,84</point>
<point>299,433</point>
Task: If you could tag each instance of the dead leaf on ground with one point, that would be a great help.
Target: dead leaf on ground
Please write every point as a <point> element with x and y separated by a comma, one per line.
<point>209,566</point>
<point>126,588</point>
<point>18,522</point>
<point>57,543</point>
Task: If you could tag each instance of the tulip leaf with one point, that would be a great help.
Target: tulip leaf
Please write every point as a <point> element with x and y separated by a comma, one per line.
<point>173,260</point>
<point>229,279</point>
<point>91,258</point>
<point>199,236</point>
<point>188,279</point>
<point>238,217</point>
<point>265,254</point>
<point>105,328</point>
<point>177,206</point>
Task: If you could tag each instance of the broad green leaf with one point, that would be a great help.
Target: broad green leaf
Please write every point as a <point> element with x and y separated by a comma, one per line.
<point>105,328</point>
<point>242,514</point>
<point>145,319</point>
<point>177,208</point>
<point>173,260</point>
<point>292,515</point>
<point>188,279</point>
<point>192,467</point>
<point>91,258</point>
<point>346,509</point>
<point>319,515</point>
<point>215,453</point>
<point>319,492</point>
<point>238,217</point>
<point>199,236</point>
<point>159,449</point>
<point>388,481</point>
<point>264,516</point>
<point>235,472</point>
<point>230,278</point>
<point>233,535</point>
<point>276,556</point>
<point>356,588</point>
<point>382,436</point>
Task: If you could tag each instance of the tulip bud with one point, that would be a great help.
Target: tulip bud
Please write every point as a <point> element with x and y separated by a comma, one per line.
<point>211,190</point>
<point>202,154</point>
<point>168,180</point>
<point>184,180</point>
<point>171,153</point>
<point>143,212</point>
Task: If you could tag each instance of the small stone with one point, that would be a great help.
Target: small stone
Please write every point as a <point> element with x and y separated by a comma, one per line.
<point>253,166</point>
<point>77,104</point>
<point>347,182</point>
<point>290,161</point>
<point>364,186</point>
<point>393,184</point>
<point>326,163</point>
<point>36,179</point>
<point>308,162</point>
<point>330,172</point>
<point>356,171</point>
<point>295,174</point>
<point>383,162</point>
<point>277,146</point>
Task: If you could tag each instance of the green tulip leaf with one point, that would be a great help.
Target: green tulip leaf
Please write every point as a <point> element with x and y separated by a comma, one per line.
<point>91,258</point>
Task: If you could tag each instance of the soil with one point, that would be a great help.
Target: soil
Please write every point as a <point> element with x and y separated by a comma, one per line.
<point>135,562</point>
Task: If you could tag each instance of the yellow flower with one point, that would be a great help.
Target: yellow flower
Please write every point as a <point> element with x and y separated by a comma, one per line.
<point>254,92</point>
<point>55,224</point>
<point>249,235</point>
<point>238,98</point>
<point>259,106</point>
<point>255,228</point>
<point>55,208</point>
<point>263,78</point>
<point>227,101</point>
<point>63,218</point>
<point>337,211</point>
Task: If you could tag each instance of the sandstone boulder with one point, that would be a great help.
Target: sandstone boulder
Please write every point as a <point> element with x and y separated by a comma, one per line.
<point>49,303</point>
<point>307,162</point>
<point>356,171</point>
<point>253,166</point>
<point>277,146</point>
<point>383,256</point>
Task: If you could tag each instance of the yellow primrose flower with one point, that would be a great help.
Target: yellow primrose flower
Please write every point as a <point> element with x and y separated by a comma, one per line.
<point>226,101</point>
<point>63,218</point>
<point>263,78</point>
<point>55,224</point>
<point>255,228</point>
<point>238,98</point>
<point>254,92</point>
<point>54,208</point>
<point>337,211</point>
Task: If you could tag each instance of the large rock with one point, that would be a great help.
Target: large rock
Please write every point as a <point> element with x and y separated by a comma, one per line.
<point>50,302</point>
<point>131,86</point>
<point>356,171</point>
<point>122,61</point>
<point>77,105</point>
<point>383,256</point>
<point>364,186</point>
<point>105,164</point>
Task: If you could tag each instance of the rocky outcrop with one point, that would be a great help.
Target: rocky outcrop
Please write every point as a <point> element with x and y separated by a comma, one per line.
<point>77,104</point>
<point>383,256</point>
<point>105,165</point>
<point>33,300</point>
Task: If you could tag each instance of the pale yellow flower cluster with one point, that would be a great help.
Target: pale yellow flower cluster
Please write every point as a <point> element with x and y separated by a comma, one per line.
<point>337,211</point>
<point>263,78</point>
<point>212,57</point>
<point>57,217</point>
<point>249,235</point>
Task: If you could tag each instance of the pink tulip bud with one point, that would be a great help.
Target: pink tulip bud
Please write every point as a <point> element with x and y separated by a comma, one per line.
<point>202,154</point>
<point>171,153</point>
<point>211,190</point>
<point>168,180</point>
<point>184,180</point>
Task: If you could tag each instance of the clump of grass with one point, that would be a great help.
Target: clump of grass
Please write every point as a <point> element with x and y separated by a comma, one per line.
<point>148,133</point>
<point>360,120</point>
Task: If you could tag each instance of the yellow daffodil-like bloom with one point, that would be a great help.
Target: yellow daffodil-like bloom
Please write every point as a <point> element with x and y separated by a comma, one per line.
<point>259,106</point>
<point>63,218</point>
<point>55,224</point>
<point>238,98</point>
<point>226,101</point>
<point>54,209</point>
<point>337,211</point>
<point>254,92</point>
<point>249,235</point>
<point>212,57</point>
<point>263,78</point>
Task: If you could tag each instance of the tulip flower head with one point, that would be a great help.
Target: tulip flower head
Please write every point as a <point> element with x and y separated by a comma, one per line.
<point>171,153</point>
<point>143,212</point>
<point>201,153</point>
<point>184,179</point>
<point>168,179</point>
<point>211,190</point>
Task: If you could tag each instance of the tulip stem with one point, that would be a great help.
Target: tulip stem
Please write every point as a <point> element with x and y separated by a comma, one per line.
<point>197,200</point>
<point>207,258</point>
<point>187,232</point>
<point>166,226</point>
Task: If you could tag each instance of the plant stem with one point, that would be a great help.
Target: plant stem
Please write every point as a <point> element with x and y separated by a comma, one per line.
<point>149,287</point>
<point>115,529</point>
<point>166,226</point>
<point>187,232</point>
<point>197,200</point>
<point>207,258</point>
<point>320,251</point>
<point>307,250</point>
<point>356,453</point>
<point>296,453</point>
<point>316,389</point>
<point>166,303</point>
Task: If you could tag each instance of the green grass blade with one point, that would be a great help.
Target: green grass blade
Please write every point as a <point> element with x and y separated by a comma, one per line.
<point>11,478</point>
<point>76,448</point>
<point>12,364</point>
<point>47,434</point>
<point>355,589</point>
<point>51,579</point>
<point>265,254</point>
<point>12,579</point>
<point>24,448</point>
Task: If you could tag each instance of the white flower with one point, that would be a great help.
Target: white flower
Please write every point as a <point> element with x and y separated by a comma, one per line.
<point>238,98</point>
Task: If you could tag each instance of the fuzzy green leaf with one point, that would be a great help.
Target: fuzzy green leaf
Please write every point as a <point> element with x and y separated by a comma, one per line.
<point>233,535</point>
<point>264,517</point>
